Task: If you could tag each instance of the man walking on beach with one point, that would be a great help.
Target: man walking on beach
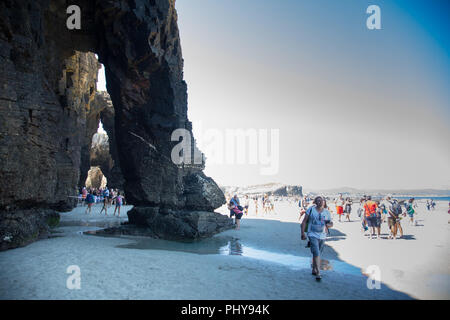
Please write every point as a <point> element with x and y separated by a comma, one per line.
<point>317,218</point>
<point>370,208</point>
<point>395,210</point>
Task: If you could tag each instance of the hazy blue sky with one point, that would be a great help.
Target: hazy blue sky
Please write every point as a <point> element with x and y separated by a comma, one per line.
<point>354,107</point>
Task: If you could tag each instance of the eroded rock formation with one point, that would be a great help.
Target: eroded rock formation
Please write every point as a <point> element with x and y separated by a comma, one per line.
<point>47,85</point>
<point>95,178</point>
<point>104,153</point>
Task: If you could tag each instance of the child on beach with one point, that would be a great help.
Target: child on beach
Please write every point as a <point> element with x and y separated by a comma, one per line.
<point>236,210</point>
<point>89,201</point>
<point>246,204</point>
<point>105,205</point>
<point>410,211</point>
<point>119,201</point>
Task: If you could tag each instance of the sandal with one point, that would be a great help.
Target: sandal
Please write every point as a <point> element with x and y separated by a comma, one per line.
<point>318,278</point>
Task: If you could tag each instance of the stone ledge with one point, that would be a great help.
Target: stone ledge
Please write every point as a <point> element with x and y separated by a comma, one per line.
<point>171,225</point>
<point>21,227</point>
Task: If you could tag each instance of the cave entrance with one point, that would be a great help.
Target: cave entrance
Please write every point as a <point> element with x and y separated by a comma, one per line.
<point>100,159</point>
<point>99,152</point>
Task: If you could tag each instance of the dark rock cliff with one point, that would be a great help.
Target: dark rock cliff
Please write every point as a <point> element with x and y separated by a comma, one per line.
<point>47,85</point>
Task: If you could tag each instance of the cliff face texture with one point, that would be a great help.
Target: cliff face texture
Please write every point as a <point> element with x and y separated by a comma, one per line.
<point>48,79</point>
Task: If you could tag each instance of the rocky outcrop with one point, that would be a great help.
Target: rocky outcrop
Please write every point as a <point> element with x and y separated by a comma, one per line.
<point>171,225</point>
<point>47,119</point>
<point>95,178</point>
<point>289,191</point>
<point>21,227</point>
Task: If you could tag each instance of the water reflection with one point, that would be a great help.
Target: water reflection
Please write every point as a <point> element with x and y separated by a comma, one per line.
<point>233,246</point>
<point>91,223</point>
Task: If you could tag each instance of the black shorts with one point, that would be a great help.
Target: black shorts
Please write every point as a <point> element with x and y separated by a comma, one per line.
<point>373,222</point>
<point>238,215</point>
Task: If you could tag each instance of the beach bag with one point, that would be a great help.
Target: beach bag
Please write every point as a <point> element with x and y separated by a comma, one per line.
<point>236,204</point>
<point>360,211</point>
<point>237,210</point>
<point>396,208</point>
<point>308,212</point>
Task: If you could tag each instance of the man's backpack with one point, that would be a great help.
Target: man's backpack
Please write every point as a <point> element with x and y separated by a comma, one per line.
<point>396,208</point>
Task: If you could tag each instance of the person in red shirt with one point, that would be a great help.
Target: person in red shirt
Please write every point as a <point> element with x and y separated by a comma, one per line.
<point>371,212</point>
<point>339,206</point>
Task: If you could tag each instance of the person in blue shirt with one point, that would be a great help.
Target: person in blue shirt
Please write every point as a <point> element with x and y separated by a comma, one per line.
<point>316,220</point>
<point>90,200</point>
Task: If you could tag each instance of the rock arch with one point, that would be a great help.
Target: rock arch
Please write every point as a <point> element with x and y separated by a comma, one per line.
<point>50,70</point>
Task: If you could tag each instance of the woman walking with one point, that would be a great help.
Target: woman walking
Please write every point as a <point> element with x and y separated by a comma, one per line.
<point>89,201</point>
<point>317,218</point>
<point>119,201</point>
<point>105,205</point>
<point>348,208</point>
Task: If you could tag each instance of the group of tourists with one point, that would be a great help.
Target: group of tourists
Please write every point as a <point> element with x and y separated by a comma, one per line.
<point>106,196</point>
<point>315,217</point>
<point>374,213</point>
<point>431,204</point>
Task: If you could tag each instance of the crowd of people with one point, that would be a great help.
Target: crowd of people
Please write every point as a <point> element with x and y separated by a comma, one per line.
<point>316,217</point>
<point>265,202</point>
<point>109,197</point>
<point>373,213</point>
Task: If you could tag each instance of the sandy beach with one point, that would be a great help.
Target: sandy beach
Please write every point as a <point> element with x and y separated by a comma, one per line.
<point>265,259</point>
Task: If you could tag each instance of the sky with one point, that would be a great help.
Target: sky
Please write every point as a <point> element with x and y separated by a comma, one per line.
<point>353,107</point>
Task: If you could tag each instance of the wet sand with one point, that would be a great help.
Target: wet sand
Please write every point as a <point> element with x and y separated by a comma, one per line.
<point>264,260</point>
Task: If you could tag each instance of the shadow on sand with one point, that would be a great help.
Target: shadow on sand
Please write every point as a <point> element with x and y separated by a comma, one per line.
<point>256,240</point>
